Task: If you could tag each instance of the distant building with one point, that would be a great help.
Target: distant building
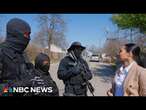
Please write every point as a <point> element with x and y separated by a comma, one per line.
<point>87,53</point>
<point>56,52</point>
<point>56,49</point>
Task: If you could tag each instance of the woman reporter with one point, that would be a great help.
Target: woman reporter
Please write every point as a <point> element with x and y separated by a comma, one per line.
<point>130,78</point>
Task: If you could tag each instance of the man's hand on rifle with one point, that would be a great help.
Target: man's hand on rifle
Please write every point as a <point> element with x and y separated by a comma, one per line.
<point>77,69</point>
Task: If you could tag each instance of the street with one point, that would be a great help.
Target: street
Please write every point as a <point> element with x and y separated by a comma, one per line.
<point>102,77</point>
<point>101,81</point>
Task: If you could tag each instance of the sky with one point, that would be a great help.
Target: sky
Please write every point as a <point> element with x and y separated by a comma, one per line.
<point>89,29</point>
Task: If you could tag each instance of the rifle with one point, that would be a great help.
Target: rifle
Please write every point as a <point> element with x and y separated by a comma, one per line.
<point>89,85</point>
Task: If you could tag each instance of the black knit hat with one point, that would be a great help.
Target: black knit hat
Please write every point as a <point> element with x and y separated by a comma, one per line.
<point>40,58</point>
<point>17,29</point>
<point>76,45</point>
<point>16,25</point>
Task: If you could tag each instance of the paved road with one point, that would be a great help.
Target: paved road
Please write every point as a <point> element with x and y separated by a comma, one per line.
<point>102,76</point>
<point>53,73</point>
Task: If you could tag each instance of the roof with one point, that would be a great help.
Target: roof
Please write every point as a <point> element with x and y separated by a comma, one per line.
<point>56,49</point>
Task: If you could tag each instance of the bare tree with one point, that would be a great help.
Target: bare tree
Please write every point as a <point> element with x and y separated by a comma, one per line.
<point>39,39</point>
<point>113,42</point>
<point>52,28</point>
<point>32,51</point>
<point>94,49</point>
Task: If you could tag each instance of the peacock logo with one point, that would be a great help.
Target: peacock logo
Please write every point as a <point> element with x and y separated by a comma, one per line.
<point>5,90</point>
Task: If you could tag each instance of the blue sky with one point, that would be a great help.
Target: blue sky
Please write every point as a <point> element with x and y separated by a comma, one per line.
<point>89,29</point>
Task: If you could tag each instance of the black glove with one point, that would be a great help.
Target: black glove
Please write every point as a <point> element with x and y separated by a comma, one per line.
<point>77,69</point>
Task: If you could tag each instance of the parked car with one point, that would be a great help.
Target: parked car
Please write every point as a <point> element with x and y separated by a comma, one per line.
<point>94,58</point>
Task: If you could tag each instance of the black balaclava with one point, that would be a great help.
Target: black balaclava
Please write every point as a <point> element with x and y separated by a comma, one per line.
<point>16,28</point>
<point>39,63</point>
<point>78,52</point>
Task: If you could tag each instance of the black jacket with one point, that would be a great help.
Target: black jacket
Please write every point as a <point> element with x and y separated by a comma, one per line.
<point>16,68</point>
<point>45,75</point>
<point>48,82</point>
<point>12,64</point>
<point>74,84</point>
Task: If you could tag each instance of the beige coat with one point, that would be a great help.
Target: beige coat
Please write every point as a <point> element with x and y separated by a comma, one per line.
<point>134,83</point>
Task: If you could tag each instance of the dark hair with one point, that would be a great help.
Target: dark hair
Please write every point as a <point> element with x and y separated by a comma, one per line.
<point>131,47</point>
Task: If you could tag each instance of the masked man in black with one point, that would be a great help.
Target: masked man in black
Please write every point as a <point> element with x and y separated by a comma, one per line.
<point>74,71</point>
<point>15,69</point>
<point>42,65</point>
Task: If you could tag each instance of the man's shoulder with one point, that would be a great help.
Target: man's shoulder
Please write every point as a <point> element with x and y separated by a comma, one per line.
<point>66,59</point>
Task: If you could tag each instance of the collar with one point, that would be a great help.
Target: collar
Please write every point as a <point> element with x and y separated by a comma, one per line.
<point>70,55</point>
<point>126,69</point>
<point>42,73</point>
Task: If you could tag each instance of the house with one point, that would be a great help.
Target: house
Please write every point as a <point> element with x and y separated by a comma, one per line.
<point>56,52</point>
